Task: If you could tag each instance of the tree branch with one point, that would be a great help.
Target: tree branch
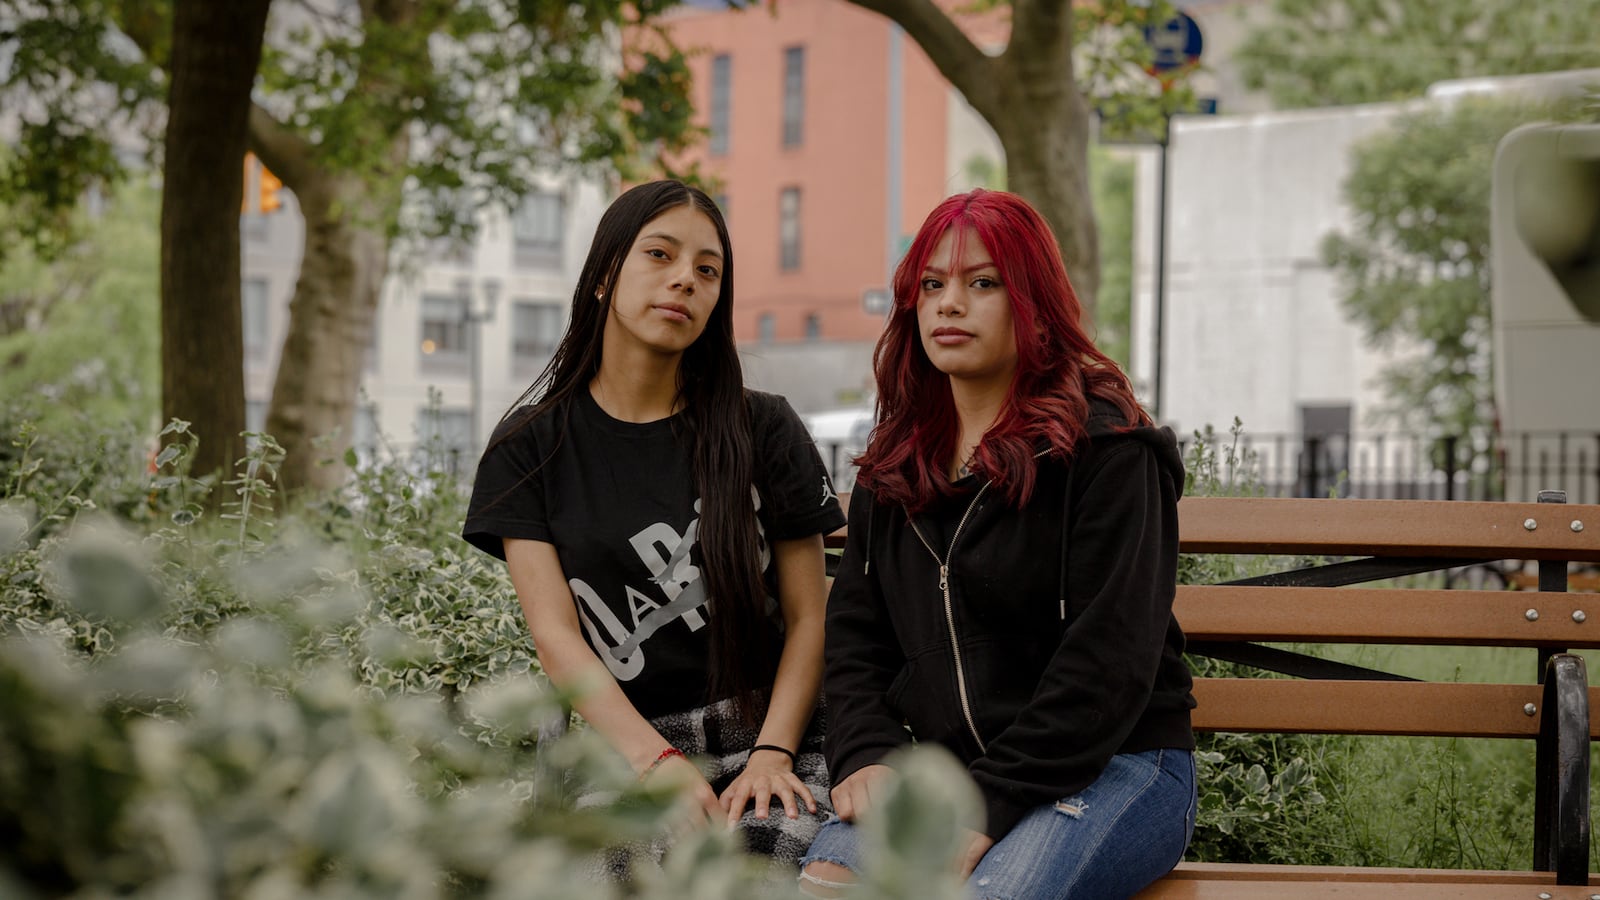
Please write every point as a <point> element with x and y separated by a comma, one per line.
<point>969,69</point>
<point>1041,34</point>
<point>147,28</point>
<point>288,155</point>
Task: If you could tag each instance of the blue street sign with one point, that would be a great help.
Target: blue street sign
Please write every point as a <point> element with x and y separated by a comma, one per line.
<point>1175,43</point>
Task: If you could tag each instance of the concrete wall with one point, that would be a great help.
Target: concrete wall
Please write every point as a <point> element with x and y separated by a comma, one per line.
<point>814,377</point>
<point>1253,326</point>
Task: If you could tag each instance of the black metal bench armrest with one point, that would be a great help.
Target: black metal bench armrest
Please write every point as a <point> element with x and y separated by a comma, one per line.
<point>1561,814</point>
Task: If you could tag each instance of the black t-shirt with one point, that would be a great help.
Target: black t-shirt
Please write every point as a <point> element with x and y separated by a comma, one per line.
<point>618,501</point>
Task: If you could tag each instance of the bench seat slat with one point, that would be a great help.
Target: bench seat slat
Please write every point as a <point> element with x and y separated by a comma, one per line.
<point>1448,528</point>
<point>1371,707</point>
<point>1170,889</point>
<point>1378,615</point>
<point>1198,871</point>
<point>1226,881</point>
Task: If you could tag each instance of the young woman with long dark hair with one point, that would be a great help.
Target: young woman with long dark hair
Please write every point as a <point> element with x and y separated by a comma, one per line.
<point>663,528</point>
<point>1006,589</point>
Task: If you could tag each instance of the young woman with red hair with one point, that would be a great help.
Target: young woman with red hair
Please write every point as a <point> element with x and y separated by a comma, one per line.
<point>1006,590</point>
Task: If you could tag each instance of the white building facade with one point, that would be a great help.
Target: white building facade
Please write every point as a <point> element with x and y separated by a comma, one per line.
<point>1252,327</point>
<point>424,380</point>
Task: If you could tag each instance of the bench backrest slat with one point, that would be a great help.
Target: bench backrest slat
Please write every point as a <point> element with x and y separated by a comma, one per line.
<point>1372,707</point>
<point>1445,528</point>
<point>1388,616</point>
<point>1448,528</point>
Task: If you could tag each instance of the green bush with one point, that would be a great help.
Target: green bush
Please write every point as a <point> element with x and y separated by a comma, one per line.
<point>337,699</point>
<point>1262,796</point>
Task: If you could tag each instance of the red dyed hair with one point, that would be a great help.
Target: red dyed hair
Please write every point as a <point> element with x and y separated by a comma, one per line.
<point>1058,367</point>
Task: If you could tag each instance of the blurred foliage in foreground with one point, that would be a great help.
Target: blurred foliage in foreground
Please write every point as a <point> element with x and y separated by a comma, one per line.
<point>338,700</point>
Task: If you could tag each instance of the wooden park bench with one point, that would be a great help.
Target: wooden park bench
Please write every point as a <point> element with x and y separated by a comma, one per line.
<point>1586,582</point>
<point>1375,540</point>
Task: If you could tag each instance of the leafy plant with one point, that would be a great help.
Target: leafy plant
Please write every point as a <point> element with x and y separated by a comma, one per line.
<point>1260,794</point>
<point>337,699</point>
<point>1335,52</point>
<point>1414,265</point>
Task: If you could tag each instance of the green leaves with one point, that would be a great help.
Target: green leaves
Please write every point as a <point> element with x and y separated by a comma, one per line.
<point>1111,59</point>
<point>1243,792</point>
<point>104,576</point>
<point>1415,264</point>
<point>58,304</point>
<point>1335,52</point>
<point>912,832</point>
<point>75,79</point>
<point>349,707</point>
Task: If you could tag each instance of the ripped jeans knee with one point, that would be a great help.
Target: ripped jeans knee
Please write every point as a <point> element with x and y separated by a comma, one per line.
<point>1072,807</point>
<point>826,878</point>
<point>1123,831</point>
<point>827,868</point>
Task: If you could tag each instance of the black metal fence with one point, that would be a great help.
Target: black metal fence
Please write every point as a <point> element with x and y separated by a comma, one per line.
<point>1481,466</point>
<point>1484,466</point>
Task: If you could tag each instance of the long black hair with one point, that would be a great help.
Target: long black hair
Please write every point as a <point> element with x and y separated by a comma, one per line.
<point>717,417</point>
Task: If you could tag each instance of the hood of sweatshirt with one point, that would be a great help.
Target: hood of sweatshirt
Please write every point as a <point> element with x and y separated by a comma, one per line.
<point>1105,420</point>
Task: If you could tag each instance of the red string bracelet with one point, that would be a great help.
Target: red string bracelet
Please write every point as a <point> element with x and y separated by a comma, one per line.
<point>662,757</point>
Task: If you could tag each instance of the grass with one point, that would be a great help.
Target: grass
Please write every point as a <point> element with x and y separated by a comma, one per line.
<point>1438,802</point>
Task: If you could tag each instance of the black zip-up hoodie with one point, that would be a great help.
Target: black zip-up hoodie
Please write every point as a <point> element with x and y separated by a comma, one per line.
<point>1055,647</point>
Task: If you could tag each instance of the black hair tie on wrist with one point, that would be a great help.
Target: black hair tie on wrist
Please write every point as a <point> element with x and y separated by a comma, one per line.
<point>793,759</point>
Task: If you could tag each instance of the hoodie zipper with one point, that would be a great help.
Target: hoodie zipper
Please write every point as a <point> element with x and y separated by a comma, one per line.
<point>949,611</point>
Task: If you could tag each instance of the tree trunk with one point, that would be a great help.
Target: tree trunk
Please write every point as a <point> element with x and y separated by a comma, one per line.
<point>1047,162</point>
<point>216,48</point>
<point>1029,96</point>
<point>330,328</point>
<point>349,216</point>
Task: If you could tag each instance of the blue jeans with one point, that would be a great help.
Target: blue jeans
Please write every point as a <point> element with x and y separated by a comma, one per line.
<point>1110,840</point>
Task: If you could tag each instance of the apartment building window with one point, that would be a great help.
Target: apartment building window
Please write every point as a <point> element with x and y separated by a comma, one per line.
<point>537,228</point>
<point>253,316</point>
<point>813,326</point>
<point>767,328</point>
<point>450,251</point>
<point>794,96</point>
<point>444,334</point>
<point>789,229</point>
<point>721,98</point>
<point>535,332</point>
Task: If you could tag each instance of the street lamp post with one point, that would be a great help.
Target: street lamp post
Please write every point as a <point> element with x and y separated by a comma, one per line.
<point>473,318</point>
